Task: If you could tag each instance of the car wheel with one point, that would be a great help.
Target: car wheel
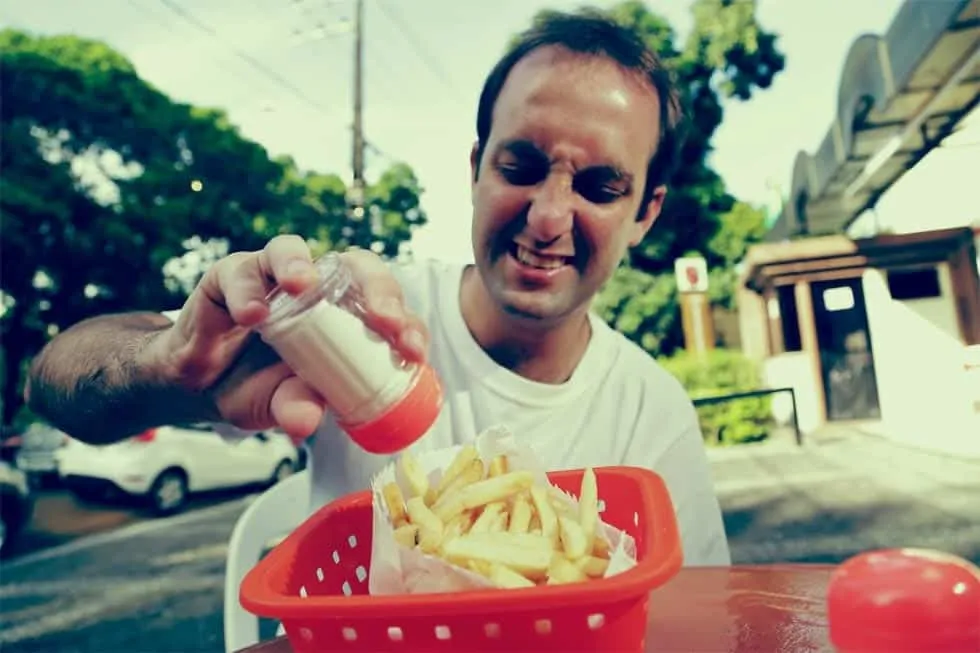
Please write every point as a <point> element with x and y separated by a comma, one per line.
<point>169,492</point>
<point>283,471</point>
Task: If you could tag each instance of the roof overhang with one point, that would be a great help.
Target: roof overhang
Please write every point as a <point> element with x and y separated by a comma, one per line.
<point>900,94</point>
<point>774,264</point>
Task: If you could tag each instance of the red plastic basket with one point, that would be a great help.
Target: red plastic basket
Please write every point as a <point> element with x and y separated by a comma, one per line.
<point>316,583</point>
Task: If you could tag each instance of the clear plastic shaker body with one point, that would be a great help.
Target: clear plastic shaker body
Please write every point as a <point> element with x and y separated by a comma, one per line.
<point>382,402</point>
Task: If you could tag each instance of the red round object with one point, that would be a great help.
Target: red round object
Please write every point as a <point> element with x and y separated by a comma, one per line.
<point>405,421</point>
<point>905,600</point>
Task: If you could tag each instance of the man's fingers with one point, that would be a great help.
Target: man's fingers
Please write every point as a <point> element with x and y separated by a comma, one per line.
<point>384,305</point>
<point>241,288</point>
<point>240,282</point>
<point>382,292</point>
<point>413,341</point>
<point>286,261</point>
<point>296,408</point>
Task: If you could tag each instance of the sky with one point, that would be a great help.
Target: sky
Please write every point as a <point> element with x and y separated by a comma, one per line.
<point>283,71</point>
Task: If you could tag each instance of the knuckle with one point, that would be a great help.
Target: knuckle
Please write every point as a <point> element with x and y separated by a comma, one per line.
<point>286,241</point>
<point>231,262</point>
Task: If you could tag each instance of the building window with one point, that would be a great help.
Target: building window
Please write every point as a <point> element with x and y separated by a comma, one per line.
<point>789,318</point>
<point>922,283</point>
<point>838,298</point>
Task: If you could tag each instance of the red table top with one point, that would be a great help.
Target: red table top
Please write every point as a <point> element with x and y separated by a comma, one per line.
<point>763,609</point>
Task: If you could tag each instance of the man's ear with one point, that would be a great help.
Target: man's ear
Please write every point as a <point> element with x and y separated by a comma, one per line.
<point>475,161</point>
<point>647,216</point>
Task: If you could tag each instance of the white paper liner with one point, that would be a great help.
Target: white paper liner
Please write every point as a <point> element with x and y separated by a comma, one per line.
<point>396,569</point>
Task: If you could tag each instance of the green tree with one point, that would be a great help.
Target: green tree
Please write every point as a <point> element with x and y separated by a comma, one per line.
<point>316,207</point>
<point>107,182</point>
<point>738,228</point>
<point>727,55</point>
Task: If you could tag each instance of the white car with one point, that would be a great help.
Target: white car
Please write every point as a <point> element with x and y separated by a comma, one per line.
<point>166,464</point>
<point>36,454</point>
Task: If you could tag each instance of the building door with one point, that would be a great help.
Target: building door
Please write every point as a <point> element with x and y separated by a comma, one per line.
<point>846,358</point>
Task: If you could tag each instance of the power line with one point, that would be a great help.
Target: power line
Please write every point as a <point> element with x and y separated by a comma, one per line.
<point>254,63</point>
<point>394,16</point>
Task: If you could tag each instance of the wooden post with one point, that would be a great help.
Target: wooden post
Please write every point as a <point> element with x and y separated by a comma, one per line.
<point>696,318</point>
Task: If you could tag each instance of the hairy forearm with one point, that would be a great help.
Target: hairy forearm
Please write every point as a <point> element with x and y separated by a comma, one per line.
<point>100,381</point>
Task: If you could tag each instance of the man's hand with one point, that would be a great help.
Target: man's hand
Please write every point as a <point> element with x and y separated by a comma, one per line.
<point>212,347</point>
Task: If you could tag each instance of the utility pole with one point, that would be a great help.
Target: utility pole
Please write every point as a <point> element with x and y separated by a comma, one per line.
<point>355,195</point>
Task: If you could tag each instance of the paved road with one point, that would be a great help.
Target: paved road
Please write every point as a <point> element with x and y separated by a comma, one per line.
<point>149,587</point>
<point>156,587</point>
<point>59,517</point>
<point>845,493</point>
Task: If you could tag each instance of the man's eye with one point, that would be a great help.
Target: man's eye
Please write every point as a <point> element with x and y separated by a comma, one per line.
<point>599,193</point>
<point>522,174</point>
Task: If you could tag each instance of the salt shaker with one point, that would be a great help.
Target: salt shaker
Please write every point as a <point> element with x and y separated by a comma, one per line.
<point>380,400</point>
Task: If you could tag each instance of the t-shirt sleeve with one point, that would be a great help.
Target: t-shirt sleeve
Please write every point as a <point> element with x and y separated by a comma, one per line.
<point>683,465</point>
<point>687,472</point>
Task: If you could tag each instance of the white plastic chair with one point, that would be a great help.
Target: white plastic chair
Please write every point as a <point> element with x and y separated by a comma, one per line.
<point>273,514</point>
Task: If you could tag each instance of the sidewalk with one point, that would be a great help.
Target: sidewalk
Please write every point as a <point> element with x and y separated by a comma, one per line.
<point>962,443</point>
<point>843,492</point>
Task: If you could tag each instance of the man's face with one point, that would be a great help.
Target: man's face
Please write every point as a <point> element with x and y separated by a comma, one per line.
<point>557,195</point>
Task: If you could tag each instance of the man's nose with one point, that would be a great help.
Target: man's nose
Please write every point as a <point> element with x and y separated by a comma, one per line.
<point>551,211</point>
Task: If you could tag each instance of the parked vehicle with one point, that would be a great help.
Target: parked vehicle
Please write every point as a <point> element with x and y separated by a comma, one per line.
<point>36,453</point>
<point>16,503</point>
<point>164,465</point>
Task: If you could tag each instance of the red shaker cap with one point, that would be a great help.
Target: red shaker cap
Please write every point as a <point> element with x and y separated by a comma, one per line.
<point>406,420</point>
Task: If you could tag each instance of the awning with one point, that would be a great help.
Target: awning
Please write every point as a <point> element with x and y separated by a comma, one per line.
<point>901,93</point>
<point>834,256</point>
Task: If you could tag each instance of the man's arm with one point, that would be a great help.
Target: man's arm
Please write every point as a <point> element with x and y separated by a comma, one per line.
<point>111,377</point>
<point>687,472</point>
<point>683,464</point>
<point>102,380</point>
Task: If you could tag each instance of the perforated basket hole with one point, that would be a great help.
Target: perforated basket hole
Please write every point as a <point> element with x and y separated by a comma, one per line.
<point>349,634</point>
<point>346,589</point>
<point>542,626</point>
<point>306,634</point>
<point>336,558</point>
<point>596,621</point>
<point>395,634</point>
<point>636,519</point>
<point>361,573</point>
<point>319,574</point>
<point>352,541</point>
<point>302,591</point>
<point>492,631</point>
<point>601,505</point>
<point>443,633</point>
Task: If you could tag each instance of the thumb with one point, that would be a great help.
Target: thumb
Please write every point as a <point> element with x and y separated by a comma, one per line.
<point>297,408</point>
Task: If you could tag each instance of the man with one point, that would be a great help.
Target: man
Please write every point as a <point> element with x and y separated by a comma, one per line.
<point>576,134</point>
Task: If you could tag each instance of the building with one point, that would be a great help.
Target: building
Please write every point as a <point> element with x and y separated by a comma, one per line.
<point>883,329</point>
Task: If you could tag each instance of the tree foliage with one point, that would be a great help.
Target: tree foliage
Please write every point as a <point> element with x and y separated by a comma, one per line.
<point>728,55</point>
<point>107,182</point>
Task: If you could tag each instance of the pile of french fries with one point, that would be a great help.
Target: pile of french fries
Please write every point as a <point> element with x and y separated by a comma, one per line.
<point>495,522</point>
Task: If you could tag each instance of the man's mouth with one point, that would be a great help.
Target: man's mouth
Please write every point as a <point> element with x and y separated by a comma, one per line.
<point>540,261</point>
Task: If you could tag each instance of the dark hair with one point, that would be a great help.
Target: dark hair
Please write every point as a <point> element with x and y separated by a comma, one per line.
<point>590,32</point>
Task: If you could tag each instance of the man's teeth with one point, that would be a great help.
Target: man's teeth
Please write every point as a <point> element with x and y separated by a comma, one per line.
<point>527,257</point>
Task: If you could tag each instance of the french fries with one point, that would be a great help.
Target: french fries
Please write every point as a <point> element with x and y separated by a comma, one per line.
<point>494,521</point>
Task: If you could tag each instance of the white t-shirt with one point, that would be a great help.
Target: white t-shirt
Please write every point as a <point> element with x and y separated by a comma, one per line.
<point>619,408</point>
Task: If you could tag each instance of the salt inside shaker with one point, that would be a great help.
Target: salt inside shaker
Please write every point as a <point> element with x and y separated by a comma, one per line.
<point>381,401</point>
